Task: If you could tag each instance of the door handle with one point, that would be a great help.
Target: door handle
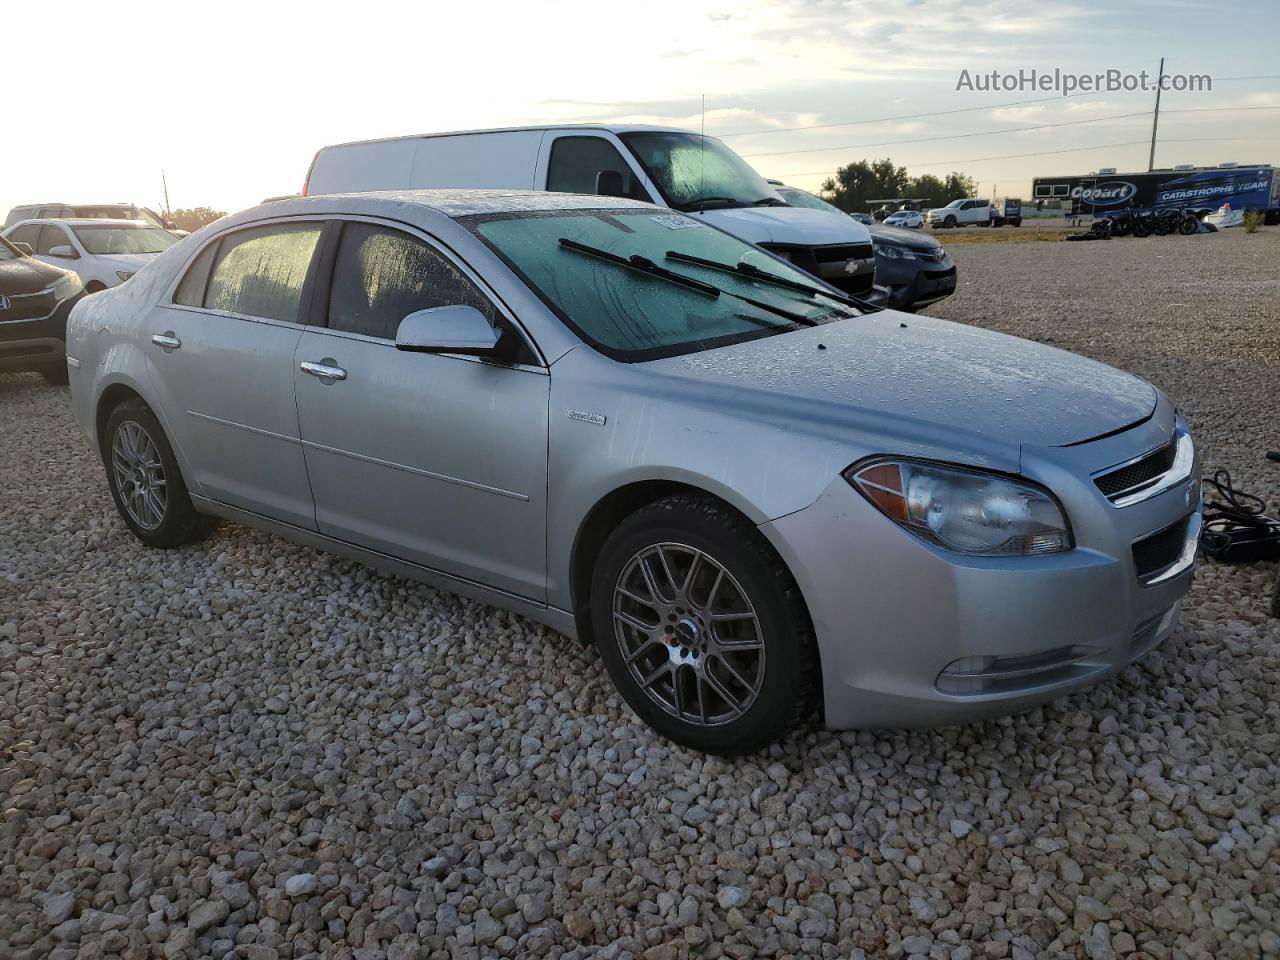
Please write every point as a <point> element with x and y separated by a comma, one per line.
<point>166,340</point>
<point>326,369</point>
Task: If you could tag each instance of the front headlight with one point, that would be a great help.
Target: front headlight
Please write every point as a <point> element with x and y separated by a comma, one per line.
<point>894,252</point>
<point>981,514</point>
<point>125,274</point>
<point>67,287</point>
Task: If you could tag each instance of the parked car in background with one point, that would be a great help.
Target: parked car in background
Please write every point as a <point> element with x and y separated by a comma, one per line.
<point>863,218</point>
<point>967,212</point>
<point>912,268</point>
<point>35,300</point>
<point>752,493</point>
<point>696,175</point>
<point>909,219</point>
<point>85,211</point>
<point>102,252</point>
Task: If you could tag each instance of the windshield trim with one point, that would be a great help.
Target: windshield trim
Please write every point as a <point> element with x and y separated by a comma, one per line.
<point>471,221</point>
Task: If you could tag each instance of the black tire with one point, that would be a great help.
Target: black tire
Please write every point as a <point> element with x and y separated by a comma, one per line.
<point>787,675</point>
<point>1188,225</point>
<point>1141,228</point>
<point>179,523</point>
<point>55,375</point>
<point>949,222</point>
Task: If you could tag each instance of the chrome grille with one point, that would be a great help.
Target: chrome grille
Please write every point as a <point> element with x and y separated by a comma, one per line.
<point>31,306</point>
<point>1132,477</point>
<point>1159,550</point>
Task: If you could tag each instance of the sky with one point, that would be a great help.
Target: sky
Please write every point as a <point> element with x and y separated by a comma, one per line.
<point>231,100</point>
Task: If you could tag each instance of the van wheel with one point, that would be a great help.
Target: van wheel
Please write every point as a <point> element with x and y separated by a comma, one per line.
<point>145,482</point>
<point>702,627</point>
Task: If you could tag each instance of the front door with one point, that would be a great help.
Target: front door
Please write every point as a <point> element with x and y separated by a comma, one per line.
<point>434,458</point>
<point>222,355</point>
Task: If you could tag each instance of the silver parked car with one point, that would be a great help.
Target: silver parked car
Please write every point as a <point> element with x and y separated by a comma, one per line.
<point>754,495</point>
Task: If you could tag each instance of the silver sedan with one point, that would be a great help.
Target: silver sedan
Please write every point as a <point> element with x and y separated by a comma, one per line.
<point>755,496</point>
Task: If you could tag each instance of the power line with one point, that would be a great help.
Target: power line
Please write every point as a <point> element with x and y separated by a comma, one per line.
<point>988,133</point>
<point>943,113</point>
<point>1046,153</point>
<point>953,136</point>
<point>1011,156</point>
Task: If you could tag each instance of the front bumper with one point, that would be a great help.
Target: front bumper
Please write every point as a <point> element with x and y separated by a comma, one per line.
<point>911,635</point>
<point>37,344</point>
<point>913,284</point>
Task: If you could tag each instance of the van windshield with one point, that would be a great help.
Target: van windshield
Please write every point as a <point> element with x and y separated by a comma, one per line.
<point>601,272</point>
<point>699,173</point>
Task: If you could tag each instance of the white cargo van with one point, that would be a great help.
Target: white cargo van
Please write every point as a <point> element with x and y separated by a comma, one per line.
<point>670,167</point>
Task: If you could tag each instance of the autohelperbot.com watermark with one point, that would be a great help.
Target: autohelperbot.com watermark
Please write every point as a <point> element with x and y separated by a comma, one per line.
<point>1067,82</point>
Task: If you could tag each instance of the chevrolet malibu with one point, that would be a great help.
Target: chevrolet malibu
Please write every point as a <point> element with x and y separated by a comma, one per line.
<point>755,496</point>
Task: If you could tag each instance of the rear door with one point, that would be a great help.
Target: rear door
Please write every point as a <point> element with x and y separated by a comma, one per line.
<point>434,458</point>
<point>221,349</point>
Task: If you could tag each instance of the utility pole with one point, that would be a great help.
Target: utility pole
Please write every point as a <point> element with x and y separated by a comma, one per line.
<point>164,180</point>
<point>1155,120</point>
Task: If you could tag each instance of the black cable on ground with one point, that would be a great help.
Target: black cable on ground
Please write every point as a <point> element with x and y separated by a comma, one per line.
<point>1236,528</point>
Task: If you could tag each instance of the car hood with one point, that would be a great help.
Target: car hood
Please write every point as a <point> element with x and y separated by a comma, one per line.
<point>25,275</point>
<point>906,238</point>
<point>791,225</point>
<point>895,372</point>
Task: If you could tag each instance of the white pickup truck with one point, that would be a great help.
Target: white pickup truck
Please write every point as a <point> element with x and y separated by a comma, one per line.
<point>967,212</point>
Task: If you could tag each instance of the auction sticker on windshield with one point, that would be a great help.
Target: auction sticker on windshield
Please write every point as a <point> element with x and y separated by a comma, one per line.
<point>676,222</point>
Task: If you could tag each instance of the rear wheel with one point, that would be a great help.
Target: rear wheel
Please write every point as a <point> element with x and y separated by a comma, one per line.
<point>702,627</point>
<point>145,481</point>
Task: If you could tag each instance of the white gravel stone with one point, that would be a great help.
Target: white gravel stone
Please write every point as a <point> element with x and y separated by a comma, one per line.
<point>217,724</point>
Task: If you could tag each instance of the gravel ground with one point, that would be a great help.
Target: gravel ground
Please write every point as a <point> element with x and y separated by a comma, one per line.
<point>249,749</point>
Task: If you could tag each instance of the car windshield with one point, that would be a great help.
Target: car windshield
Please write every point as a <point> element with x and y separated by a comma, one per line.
<point>628,311</point>
<point>109,239</point>
<point>803,198</point>
<point>699,173</point>
<point>8,251</point>
<point>956,203</point>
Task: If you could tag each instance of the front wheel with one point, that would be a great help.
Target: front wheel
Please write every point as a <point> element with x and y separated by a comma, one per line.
<point>702,627</point>
<point>949,222</point>
<point>145,481</point>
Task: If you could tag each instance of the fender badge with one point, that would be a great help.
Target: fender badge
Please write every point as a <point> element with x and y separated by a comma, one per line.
<point>599,419</point>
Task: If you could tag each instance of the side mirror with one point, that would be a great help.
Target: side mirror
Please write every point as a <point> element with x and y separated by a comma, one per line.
<point>454,329</point>
<point>63,250</point>
<point>22,247</point>
<point>609,184</point>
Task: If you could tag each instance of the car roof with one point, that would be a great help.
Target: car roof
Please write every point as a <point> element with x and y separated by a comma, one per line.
<point>609,127</point>
<point>451,203</point>
<point>87,221</point>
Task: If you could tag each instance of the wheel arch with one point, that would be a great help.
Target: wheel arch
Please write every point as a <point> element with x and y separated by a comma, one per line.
<point>608,511</point>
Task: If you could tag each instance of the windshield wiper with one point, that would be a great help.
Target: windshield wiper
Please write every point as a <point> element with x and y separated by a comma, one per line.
<point>769,202</point>
<point>764,276</point>
<point>644,265</point>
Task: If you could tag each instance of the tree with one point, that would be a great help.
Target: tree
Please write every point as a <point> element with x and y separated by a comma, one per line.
<point>958,185</point>
<point>193,218</point>
<point>930,189</point>
<point>857,183</point>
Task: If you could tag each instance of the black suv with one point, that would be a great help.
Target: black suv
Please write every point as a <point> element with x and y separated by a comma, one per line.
<point>35,299</point>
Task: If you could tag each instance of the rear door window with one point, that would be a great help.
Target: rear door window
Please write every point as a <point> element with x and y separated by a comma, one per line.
<point>577,163</point>
<point>29,234</point>
<point>260,271</point>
